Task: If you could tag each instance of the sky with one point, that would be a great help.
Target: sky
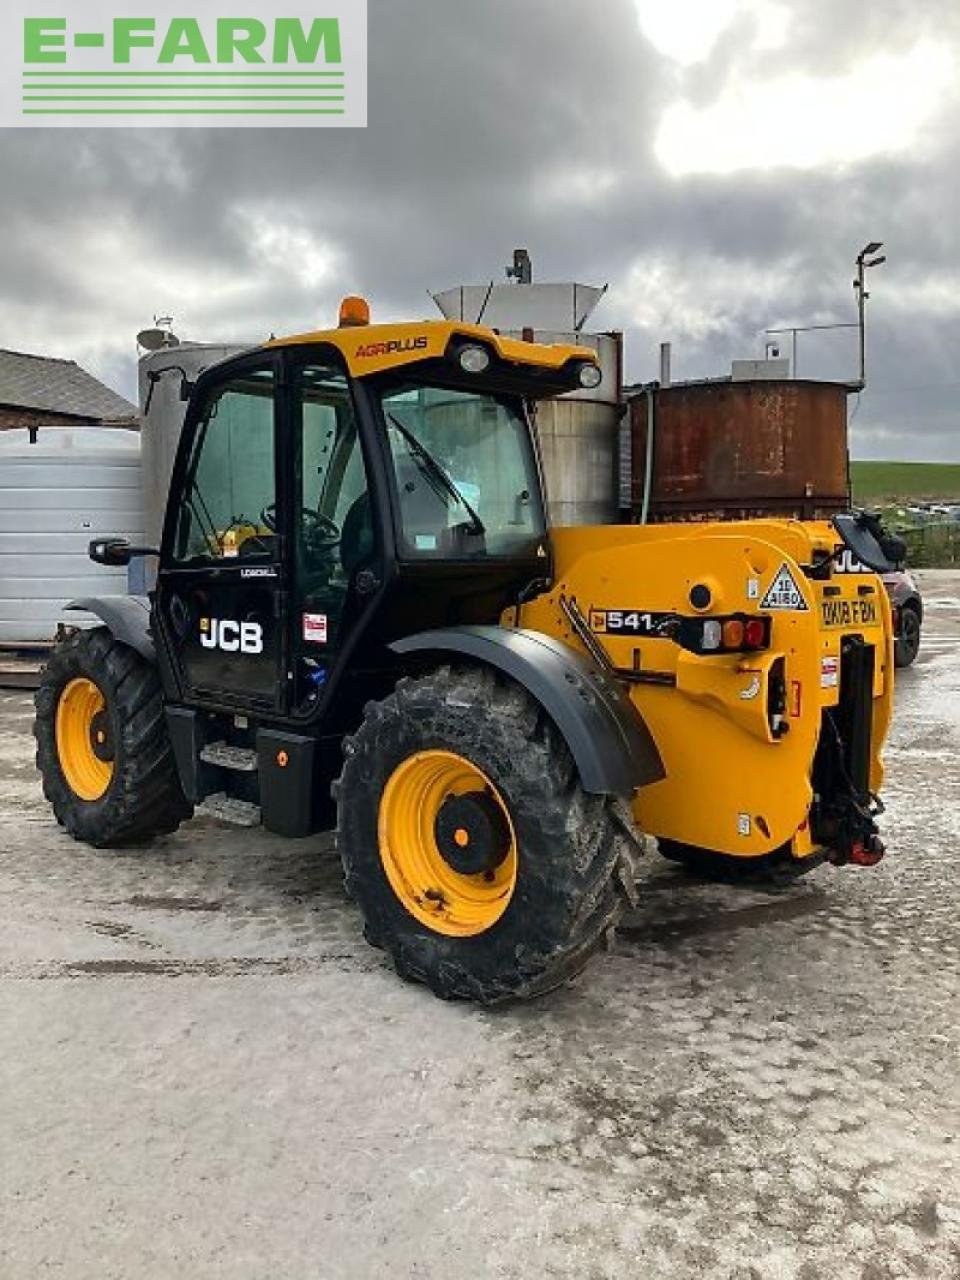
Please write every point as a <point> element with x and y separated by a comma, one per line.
<point>719,163</point>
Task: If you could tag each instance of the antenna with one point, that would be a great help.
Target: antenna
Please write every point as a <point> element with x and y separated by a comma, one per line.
<point>522,269</point>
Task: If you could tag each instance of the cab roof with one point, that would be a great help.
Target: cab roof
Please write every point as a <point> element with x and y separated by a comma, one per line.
<point>374,348</point>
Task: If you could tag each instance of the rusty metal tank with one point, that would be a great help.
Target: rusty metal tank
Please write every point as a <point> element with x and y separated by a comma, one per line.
<point>730,449</point>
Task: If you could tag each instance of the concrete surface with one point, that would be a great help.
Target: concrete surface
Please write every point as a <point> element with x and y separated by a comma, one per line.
<point>205,1071</point>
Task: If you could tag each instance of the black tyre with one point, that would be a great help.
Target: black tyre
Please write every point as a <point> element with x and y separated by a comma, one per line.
<point>102,745</point>
<point>476,857</point>
<point>907,644</point>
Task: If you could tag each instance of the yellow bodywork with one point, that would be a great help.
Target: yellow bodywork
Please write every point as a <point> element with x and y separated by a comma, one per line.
<point>730,784</point>
<point>374,348</point>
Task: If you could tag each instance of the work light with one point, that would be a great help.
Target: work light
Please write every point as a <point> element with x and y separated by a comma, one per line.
<point>474,359</point>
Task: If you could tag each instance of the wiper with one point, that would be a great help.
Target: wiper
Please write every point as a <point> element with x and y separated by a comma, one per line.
<point>439,474</point>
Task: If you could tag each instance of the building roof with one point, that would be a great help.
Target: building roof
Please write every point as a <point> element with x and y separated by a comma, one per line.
<point>58,386</point>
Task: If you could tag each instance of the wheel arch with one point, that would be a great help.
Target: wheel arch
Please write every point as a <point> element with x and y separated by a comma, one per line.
<point>127,617</point>
<point>613,749</point>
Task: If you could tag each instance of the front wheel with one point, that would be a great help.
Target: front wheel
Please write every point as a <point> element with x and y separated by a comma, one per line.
<point>476,857</point>
<point>102,745</point>
<point>907,644</point>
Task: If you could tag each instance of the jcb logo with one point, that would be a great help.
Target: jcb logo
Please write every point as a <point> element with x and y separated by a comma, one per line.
<point>846,562</point>
<point>230,636</point>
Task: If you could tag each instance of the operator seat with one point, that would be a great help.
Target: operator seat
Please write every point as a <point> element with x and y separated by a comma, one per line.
<point>356,535</point>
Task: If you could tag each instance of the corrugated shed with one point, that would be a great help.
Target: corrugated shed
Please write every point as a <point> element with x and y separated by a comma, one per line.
<point>58,386</point>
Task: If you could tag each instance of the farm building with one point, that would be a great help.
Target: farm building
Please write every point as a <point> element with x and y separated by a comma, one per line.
<point>37,391</point>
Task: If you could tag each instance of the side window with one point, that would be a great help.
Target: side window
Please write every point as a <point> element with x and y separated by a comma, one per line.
<point>334,525</point>
<point>228,508</point>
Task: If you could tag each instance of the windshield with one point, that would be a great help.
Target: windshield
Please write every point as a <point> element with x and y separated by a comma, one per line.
<point>465,473</point>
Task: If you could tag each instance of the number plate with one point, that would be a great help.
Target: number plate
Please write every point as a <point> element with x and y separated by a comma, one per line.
<point>849,613</point>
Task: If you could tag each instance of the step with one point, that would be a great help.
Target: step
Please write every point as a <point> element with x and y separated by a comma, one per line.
<point>241,759</point>
<point>239,813</point>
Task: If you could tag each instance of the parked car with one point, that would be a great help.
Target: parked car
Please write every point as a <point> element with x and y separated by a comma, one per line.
<point>907,615</point>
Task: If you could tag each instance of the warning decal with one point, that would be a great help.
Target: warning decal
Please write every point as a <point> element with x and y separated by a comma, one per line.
<point>315,628</point>
<point>783,593</point>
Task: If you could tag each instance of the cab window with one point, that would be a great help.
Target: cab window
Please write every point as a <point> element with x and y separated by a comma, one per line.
<point>228,507</point>
<point>466,476</point>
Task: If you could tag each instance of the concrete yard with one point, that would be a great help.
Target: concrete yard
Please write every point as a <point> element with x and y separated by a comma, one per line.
<point>207,1073</point>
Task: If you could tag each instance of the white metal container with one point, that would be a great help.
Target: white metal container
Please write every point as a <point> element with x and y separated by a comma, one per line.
<point>74,484</point>
<point>161,427</point>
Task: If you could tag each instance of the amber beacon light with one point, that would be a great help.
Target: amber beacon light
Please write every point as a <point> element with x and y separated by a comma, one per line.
<point>354,311</point>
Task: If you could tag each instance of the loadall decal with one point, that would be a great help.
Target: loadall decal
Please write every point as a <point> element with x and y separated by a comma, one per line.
<point>631,622</point>
<point>230,636</point>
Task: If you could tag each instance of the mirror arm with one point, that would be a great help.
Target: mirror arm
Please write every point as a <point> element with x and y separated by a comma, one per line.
<point>116,552</point>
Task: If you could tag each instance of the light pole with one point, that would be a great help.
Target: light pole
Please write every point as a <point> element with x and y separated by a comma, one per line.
<point>862,296</point>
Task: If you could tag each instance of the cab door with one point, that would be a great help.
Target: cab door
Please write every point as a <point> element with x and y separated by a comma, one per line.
<point>220,588</point>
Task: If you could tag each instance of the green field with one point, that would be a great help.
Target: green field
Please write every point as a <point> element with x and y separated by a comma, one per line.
<point>905,481</point>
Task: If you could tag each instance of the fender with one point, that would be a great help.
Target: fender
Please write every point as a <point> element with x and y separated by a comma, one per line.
<point>128,618</point>
<point>613,749</point>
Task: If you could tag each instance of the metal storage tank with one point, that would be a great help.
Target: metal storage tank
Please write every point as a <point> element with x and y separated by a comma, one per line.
<point>578,433</point>
<point>60,487</point>
<point>161,427</point>
<point>730,449</point>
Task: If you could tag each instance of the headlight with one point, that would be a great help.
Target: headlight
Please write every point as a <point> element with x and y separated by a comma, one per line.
<point>474,359</point>
<point>590,376</point>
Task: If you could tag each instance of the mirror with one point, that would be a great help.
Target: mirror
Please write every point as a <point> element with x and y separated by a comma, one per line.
<point>116,552</point>
<point>867,540</point>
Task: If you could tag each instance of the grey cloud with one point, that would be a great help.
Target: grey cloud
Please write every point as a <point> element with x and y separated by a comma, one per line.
<point>494,125</point>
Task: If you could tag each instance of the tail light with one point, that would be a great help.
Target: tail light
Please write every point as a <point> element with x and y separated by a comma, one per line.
<point>736,633</point>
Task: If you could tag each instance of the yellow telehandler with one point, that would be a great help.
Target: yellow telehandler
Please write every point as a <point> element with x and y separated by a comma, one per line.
<point>357,586</point>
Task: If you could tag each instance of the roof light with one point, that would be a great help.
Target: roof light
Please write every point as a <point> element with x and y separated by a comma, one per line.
<point>354,311</point>
<point>474,359</point>
<point>590,376</point>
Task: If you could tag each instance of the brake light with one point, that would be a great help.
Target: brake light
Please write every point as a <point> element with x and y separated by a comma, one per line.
<point>756,633</point>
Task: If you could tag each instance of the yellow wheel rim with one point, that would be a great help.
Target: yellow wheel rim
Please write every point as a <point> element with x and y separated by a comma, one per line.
<point>83,739</point>
<point>447,900</point>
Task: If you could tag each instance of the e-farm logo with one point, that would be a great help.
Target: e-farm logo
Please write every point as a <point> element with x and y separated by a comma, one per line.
<point>200,62</point>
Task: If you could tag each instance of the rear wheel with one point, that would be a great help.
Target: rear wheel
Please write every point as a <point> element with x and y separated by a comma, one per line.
<point>102,745</point>
<point>476,857</point>
<point>907,644</point>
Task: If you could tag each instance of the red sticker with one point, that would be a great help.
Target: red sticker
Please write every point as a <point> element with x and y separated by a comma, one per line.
<point>315,628</point>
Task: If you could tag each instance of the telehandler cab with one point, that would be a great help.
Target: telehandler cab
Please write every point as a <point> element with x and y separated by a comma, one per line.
<point>356,582</point>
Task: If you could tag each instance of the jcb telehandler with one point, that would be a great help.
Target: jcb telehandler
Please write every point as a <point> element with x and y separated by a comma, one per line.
<point>356,582</point>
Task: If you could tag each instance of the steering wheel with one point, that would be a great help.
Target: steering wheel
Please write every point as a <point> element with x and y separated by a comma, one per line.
<point>323,530</point>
